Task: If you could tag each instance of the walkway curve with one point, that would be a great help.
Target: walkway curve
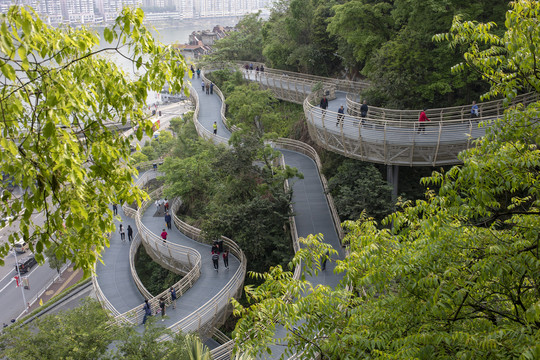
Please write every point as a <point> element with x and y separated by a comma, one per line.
<point>386,136</point>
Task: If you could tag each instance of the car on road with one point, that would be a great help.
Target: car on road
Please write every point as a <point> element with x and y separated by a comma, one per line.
<point>20,246</point>
<point>25,264</point>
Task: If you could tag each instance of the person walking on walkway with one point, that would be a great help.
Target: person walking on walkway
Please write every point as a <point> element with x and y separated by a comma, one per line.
<point>198,73</point>
<point>203,84</point>
<point>474,110</point>
<point>166,204</point>
<point>363,111</point>
<point>207,89</point>
<point>147,311</point>
<point>340,115</point>
<point>192,71</point>
<point>215,260</point>
<point>168,220</point>
<point>173,297</point>
<point>164,236</point>
<point>422,119</point>
<point>115,209</point>
<point>162,307</point>
<point>324,104</point>
<point>211,88</point>
<point>215,127</point>
<point>325,259</point>
<point>122,233</point>
<point>226,259</point>
<point>130,233</point>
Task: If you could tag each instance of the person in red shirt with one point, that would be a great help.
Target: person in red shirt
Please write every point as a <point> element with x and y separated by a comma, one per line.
<point>164,236</point>
<point>422,119</point>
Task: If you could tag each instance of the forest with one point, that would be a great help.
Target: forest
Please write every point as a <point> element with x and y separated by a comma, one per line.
<point>388,42</point>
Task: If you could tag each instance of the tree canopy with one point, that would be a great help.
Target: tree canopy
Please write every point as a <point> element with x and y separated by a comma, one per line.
<point>457,274</point>
<point>58,99</point>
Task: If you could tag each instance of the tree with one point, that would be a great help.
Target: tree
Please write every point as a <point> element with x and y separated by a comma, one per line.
<point>80,333</point>
<point>57,98</point>
<point>55,261</point>
<point>457,276</point>
<point>243,44</point>
<point>359,187</point>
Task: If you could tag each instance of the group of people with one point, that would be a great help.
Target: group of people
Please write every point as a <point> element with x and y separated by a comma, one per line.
<point>208,86</point>
<point>147,308</point>
<point>249,68</point>
<point>121,229</point>
<point>341,111</point>
<point>217,249</point>
<point>364,111</point>
<point>193,72</point>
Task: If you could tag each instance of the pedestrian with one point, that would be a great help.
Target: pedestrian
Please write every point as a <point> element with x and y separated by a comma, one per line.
<point>154,166</point>
<point>164,236</point>
<point>192,71</point>
<point>363,110</point>
<point>215,127</point>
<point>162,307</point>
<point>115,209</point>
<point>422,119</point>
<point>158,205</point>
<point>122,233</point>
<point>215,260</point>
<point>207,89</point>
<point>340,115</point>
<point>325,259</point>
<point>474,110</point>
<point>147,311</point>
<point>173,297</point>
<point>211,88</point>
<point>226,259</point>
<point>262,68</point>
<point>215,247</point>
<point>130,233</point>
<point>203,84</point>
<point>168,220</point>
<point>246,66</point>
<point>198,73</point>
<point>251,67</point>
<point>324,104</point>
<point>220,245</point>
<point>166,204</point>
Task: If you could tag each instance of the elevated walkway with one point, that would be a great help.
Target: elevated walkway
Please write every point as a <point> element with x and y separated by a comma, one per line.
<point>386,136</point>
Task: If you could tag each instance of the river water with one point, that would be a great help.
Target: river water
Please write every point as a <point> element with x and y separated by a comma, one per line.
<point>176,32</point>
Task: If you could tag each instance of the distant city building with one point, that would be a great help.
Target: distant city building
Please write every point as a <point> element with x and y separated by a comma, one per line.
<point>200,42</point>
<point>97,11</point>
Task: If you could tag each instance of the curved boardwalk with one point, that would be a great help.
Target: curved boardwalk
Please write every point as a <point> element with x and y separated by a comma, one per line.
<point>391,137</point>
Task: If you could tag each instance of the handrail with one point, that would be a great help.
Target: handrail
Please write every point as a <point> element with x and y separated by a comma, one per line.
<point>201,130</point>
<point>385,136</point>
<point>487,109</point>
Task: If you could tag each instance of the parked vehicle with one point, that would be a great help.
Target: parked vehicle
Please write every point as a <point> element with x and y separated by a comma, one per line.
<point>25,264</point>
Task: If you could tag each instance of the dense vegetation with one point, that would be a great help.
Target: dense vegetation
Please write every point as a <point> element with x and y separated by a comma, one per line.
<point>457,275</point>
<point>86,332</point>
<point>153,276</point>
<point>237,192</point>
<point>388,42</point>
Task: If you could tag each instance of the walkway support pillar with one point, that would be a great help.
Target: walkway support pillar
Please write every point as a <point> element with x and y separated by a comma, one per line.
<point>392,176</point>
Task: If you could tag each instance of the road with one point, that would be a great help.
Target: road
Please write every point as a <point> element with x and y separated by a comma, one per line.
<point>11,298</point>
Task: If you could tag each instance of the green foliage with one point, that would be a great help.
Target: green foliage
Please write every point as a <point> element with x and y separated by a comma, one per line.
<point>234,192</point>
<point>154,277</point>
<point>359,187</point>
<point>80,333</point>
<point>56,99</point>
<point>457,274</point>
<point>56,260</point>
<point>243,44</point>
